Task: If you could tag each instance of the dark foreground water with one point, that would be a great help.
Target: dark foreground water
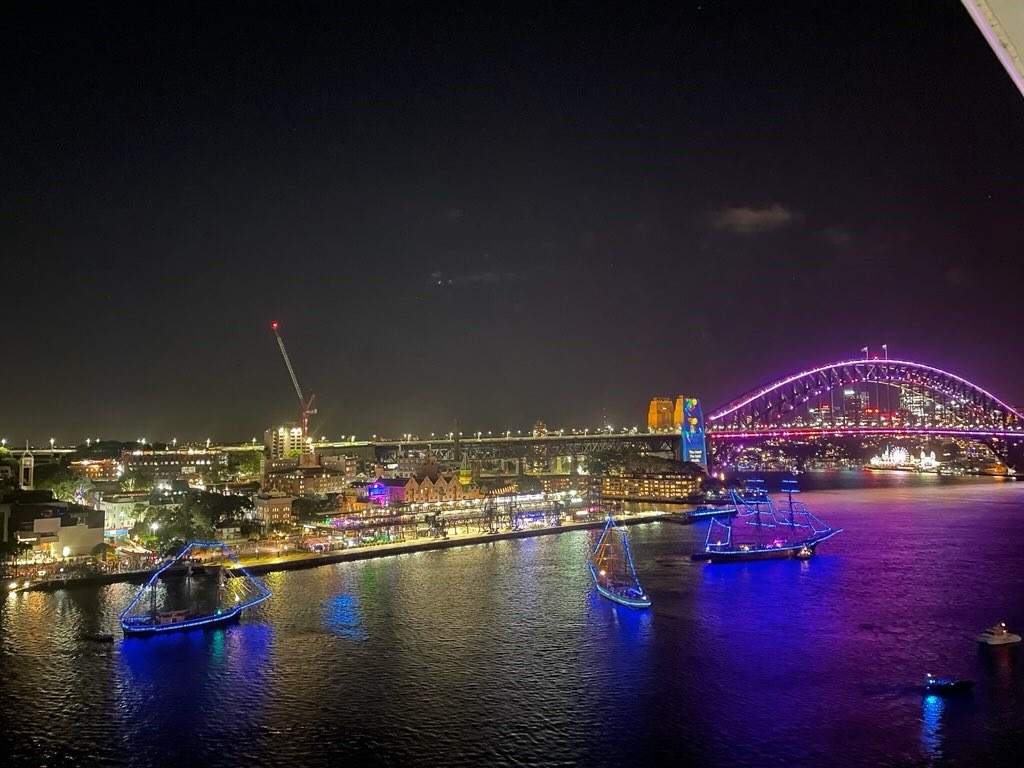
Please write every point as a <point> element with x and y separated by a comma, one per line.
<point>500,654</point>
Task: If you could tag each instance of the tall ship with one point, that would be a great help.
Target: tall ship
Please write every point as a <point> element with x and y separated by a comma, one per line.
<point>760,529</point>
<point>611,566</point>
<point>190,592</point>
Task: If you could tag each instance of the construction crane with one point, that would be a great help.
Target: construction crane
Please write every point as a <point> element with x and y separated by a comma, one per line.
<point>306,407</point>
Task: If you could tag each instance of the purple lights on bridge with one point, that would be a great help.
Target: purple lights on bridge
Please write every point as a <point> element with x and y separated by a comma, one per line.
<point>959,406</point>
<point>861,431</point>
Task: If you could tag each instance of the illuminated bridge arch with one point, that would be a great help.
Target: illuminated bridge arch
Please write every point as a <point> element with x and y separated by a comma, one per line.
<point>955,405</point>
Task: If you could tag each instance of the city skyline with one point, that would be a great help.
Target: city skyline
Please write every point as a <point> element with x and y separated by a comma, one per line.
<point>494,219</point>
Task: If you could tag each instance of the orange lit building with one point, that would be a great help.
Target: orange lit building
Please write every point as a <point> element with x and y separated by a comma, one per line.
<point>659,414</point>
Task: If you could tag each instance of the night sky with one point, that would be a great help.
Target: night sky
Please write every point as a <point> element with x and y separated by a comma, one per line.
<point>494,214</point>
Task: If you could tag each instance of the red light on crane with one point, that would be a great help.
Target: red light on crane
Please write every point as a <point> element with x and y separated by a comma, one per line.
<point>274,325</point>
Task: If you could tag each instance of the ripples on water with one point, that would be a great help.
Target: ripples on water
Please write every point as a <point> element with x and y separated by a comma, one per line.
<point>501,654</point>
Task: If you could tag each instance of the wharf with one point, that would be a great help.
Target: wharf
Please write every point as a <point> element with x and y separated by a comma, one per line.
<point>297,560</point>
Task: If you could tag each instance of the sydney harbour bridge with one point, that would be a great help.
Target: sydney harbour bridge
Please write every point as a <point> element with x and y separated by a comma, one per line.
<point>891,398</point>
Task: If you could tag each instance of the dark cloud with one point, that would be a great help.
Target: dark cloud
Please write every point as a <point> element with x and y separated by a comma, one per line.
<point>746,220</point>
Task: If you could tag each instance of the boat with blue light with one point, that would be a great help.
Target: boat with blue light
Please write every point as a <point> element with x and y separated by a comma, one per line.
<point>759,529</point>
<point>190,599</point>
<point>611,566</point>
<point>946,686</point>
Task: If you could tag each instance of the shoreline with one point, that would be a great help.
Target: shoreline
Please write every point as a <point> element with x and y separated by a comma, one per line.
<point>301,560</point>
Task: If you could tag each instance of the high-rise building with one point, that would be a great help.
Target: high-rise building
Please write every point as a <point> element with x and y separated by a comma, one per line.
<point>659,414</point>
<point>856,405</point>
<point>279,441</point>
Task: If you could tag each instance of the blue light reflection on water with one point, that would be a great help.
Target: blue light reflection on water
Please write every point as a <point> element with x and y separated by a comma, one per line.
<point>170,687</point>
<point>342,617</point>
<point>932,707</point>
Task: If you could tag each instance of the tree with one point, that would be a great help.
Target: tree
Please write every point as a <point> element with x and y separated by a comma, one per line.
<point>102,551</point>
<point>65,484</point>
<point>247,463</point>
<point>138,479</point>
<point>12,550</point>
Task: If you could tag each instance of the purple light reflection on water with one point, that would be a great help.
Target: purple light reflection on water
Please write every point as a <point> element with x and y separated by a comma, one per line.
<point>503,654</point>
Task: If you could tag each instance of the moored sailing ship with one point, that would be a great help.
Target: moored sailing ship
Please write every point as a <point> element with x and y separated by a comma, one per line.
<point>759,529</point>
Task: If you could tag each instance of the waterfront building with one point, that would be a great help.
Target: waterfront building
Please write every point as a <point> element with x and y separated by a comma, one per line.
<point>280,441</point>
<point>387,491</point>
<point>54,529</point>
<point>440,488</point>
<point>650,487</point>
<point>560,483</point>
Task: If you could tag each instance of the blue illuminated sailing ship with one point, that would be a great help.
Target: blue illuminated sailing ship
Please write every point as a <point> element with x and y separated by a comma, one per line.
<point>611,565</point>
<point>759,529</point>
<point>181,596</point>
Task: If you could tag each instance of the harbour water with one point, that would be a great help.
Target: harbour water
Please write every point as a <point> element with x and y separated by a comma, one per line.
<point>502,654</point>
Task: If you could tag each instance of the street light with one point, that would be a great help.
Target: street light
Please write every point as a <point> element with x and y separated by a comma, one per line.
<point>51,445</point>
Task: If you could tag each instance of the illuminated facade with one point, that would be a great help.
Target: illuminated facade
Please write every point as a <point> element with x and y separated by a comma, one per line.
<point>122,510</point>
<point>170,465</point>
<point>274,510</point>
<point>97,469</point>
<point>650,487</point>
<point>694,447</point>
<point>280,441</point>
<point>660,414</point>
<point>54,529</point>
<point>386,491</point>
<point>305,481</point>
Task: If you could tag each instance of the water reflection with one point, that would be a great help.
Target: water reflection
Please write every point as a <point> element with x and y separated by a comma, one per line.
<point>342,617</point>
<point>931,721</point>
<point>176,684</point>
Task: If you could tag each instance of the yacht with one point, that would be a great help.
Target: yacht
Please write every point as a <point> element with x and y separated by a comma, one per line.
<point>998,635</point>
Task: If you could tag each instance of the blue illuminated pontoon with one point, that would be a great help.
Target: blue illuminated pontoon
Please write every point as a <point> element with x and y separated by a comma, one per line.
<point>184,606</point>
<point>758,529</point>
<point>611,565</point>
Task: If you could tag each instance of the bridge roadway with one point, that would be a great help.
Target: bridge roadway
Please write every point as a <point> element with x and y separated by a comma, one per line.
<point>515,447</point>
<point>527,447</point>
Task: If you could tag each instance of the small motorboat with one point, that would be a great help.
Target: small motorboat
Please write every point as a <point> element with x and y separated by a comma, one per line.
<point>804,553</point>
<point>946,686</point>
<point>998,635</point>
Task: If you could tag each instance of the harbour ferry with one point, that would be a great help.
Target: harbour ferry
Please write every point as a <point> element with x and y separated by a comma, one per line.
<point>182,595</point>
<point>611,566</point>
<point>759,529</point>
